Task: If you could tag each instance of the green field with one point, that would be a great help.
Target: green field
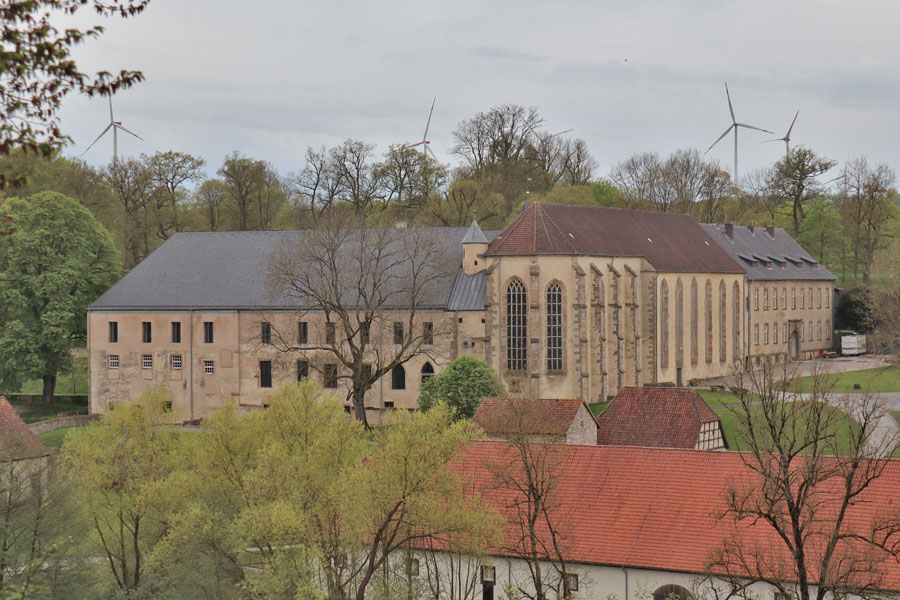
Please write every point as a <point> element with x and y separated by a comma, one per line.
<point>54,439</point>
<point>74,382</point>
<point>879,379</point>
<point>40,412</point>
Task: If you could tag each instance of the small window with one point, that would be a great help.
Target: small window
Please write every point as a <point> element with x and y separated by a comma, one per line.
<point>827,296</point>
<point>784,298</point>
<point>146,361</point>
<point>265,332</point>
<point>756,334</point>
<point>810,331</point>
<point>302,370</point>
<point>176,362</point>
<point>176,332</point>
<point>398,332</point>
<point>146,332</point>
<point>302,332</point>
<point>488,575</point>
<point>793,298</point>
<point>367,371</point>
<point>113,332</point>
<point>765,298</point>
<point>113,361</point>
<point>329,376</point>
<point>398,378</point>
<point>459,320</point>
<point>818,330</point>
<point>571,583</point>
<point>766,333</point>
<point>827,330</point>
<point>208,333</point>
<point>329,333</point>
<point>774,333</point>
<point>388,405</point>
<point>819,298</point>
<point>209,367</point>
<point>427,371</point>
<point>755,298</point>
<point>428,332</point>
<point>265,373</point>
<point>810,297</point>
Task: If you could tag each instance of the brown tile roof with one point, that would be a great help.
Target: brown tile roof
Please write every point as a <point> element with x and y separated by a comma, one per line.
<point>656,508</point>
<point>669,241</point>
<point>17,442</point>
<point>654,417</point>
<point>527,416</point>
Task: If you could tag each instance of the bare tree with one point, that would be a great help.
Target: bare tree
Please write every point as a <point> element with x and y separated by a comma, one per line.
<point>362,281</point>
<point>243,178</point>
<point>408,177</point>
<point>354,169</point>
<point>132,185</point>
<point>456,206</point>
<point>169,172</point>
<point>795,179</point>
<point>211,196</point>
<point>807,477</point>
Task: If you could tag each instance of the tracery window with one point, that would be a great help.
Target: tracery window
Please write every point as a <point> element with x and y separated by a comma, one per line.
<point>695,342</point>
<point>516,326</point>
<point>679,323</point>
<point>708,306</point>
<point>554,328</point>
<point>735,321</point>
<point>723,320</point>
<point>664,326</point>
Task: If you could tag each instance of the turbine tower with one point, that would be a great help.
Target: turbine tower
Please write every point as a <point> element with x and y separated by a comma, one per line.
<point>426,149</point>
<point>787,137</point>
<point>115,126</point>
<point>734,125</point>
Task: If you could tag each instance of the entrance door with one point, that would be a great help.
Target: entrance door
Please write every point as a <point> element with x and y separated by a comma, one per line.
<point>794,346</point>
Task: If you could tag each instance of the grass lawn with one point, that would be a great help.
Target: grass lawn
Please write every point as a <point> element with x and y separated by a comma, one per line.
<point>74,382</point>
<point>54,439</point>
<point>879,379</point>
<point>40,412</point>
<point>716,399</point>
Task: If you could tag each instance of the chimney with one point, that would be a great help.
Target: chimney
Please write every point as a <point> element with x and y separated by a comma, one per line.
<point>750,228</point>
<point>729,231</point>
<point>771,232</point>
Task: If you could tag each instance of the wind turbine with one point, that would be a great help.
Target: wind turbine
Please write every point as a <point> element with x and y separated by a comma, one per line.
<point>115,126</point>
<point>426,149</point>
<point>734,125</point>
<point>787,137</point>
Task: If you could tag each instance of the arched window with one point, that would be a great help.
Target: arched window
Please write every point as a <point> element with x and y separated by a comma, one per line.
<point>695,334</point>
<point>554,328</point>
<point>723,323</point>
<point>735,321</point>
<point>516,326</point>
<point>670,592</point>
<point>708,306</point>
<point>398,378</point>
<point>427,371</point>
<point>679,323</point>
<point>664,326</point>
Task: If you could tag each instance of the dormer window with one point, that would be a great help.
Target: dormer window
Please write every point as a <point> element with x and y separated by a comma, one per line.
<point>799,265</point>
<point>768,265</point>
<point>783,265</point>
<point>815,266</point>
<point>755,265</point>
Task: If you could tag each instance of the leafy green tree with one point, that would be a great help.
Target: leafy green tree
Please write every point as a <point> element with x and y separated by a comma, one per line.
<point>857,310</point>
<point>55,261</point>
<point>822,232</point>
<point>794,178</point>
<point>461,386</point>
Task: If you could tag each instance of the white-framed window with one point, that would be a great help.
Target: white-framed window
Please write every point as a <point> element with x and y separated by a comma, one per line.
<point>554,328</point>
<point>818,330</point>
<point>766,333</point>
<point>819,298</point>
<point>810,297</point>
<point>146,361</point>
<point>793,298</point>
<point>828,329</point>
<point>209,367</point>
<point>765,298</point>
<point>784,298</point>
<point>755,298</point>
<point>756,334</point>
<point>113,361</point>
<point>810,331</point>
<point>827,297</point>
<point>176,361</point>
<point>774,333</point>
<point>784,331</point>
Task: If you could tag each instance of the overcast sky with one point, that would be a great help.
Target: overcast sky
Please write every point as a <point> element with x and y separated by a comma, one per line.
<point>269,78</point>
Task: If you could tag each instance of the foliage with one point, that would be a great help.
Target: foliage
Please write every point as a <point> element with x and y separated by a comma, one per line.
<point>821,233</point>
<point>794,180</point>
<point>37,71</point>
<point>56,261</point>
<point>461,386</point>
<point>856,310</point>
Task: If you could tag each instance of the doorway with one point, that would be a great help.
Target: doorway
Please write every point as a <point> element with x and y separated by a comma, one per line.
<point>794,346</point>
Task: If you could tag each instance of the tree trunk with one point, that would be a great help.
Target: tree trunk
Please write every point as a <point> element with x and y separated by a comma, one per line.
<point>49,387</point>
<point>359,407</point>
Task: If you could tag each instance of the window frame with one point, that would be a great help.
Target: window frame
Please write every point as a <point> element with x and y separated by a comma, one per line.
<point>265,332</point>
<point>209,332</point>
<point>112,361</point>
<point>516,305</point>
<point>330,333</point>
<point>330,376</point>
<point>176,332</point>
<point>302,370</point>
<point>265,373</point>
<point>398,378</point>
<point>146,332</point>
<point>554,328</point>
<point>176,358</point>
<point>428,333</point>
<point>399,338</point>
<point>113,331</point>
<point>147,361</point>
<point>209,367</point>
<point>302,332</point>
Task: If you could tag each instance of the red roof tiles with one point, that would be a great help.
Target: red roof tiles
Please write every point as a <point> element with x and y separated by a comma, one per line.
<point>527,416</point>
<point>654,417</point>
<point>17,442</point>
<point>657,508</point>
<point>669,241</point>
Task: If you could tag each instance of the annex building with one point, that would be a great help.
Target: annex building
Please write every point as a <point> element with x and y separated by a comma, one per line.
<point>566,302</point>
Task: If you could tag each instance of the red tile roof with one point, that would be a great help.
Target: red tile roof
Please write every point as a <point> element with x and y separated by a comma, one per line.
<point>654,417</point>
<point>656,508</point>
<point>669,241</point>
<point>529,416</point>
<point>17,442</point>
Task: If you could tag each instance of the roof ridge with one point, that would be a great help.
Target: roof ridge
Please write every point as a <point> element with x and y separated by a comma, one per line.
<point>544,213</point>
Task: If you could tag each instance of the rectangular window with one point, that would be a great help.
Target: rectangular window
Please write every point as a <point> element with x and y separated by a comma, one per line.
<point>827,297</point>
<point>329,376</point>
<point>176,332</point>
<point>793,298</point>
<point>810,298</point>
<point>302,370</point>
<point>398,332</point>
<point>765,298</point>
<point>329,333</point>
<point>755,298</point>
<point>364,333</point>
<point>818,330</point>
<point>367,371</point>
<point>265,373</point>
<point>146,332</point>
<point>784,332</point>
<point>827,329</point>
<point>146,361</point>
<point>265,332</point>
<point>802,296</point>
<point>208,334</point>
<point>819,298</point>
<point>302,332</point>
<point>810,332</point>
<point>427,332</point>
<point>766,333</point>
<point>113,332</point>
<point>571,583</point>
<point>113,361</point>
<point>388,405</point>
<point>774,333</point>
<point>756,334</point>
<point>176,362</point>
<point>209,367</point>
<point>784,298</point>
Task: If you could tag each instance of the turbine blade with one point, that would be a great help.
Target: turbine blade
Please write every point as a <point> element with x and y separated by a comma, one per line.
<point>775,140</point>
<point>727,131</point>
<point>730,109</point>
<point>428,124</point>
<point>126,130</point>
<point>414,145</point>
<point>431,152</point>
<point>753,127</point>
<point>788,135</point>
<point>97,140</point>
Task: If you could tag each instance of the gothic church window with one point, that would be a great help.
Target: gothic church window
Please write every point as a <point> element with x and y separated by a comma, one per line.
<point>516,326</point>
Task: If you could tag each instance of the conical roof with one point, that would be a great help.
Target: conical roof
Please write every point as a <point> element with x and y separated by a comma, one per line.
<point>475,235</point>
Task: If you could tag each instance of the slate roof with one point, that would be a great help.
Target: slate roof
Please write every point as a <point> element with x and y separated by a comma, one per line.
<point>474,235</point>
<point>227,271</point>
<point>656,508</point>
<point>467,292</point>
<point>536,417</point>
<point>17,442</point>
<point>654,417</point>
<point>757,245</point>
<point>669,241</point>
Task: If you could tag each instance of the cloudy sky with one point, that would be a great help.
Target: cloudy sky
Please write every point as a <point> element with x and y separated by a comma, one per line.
<point>269,78</point>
